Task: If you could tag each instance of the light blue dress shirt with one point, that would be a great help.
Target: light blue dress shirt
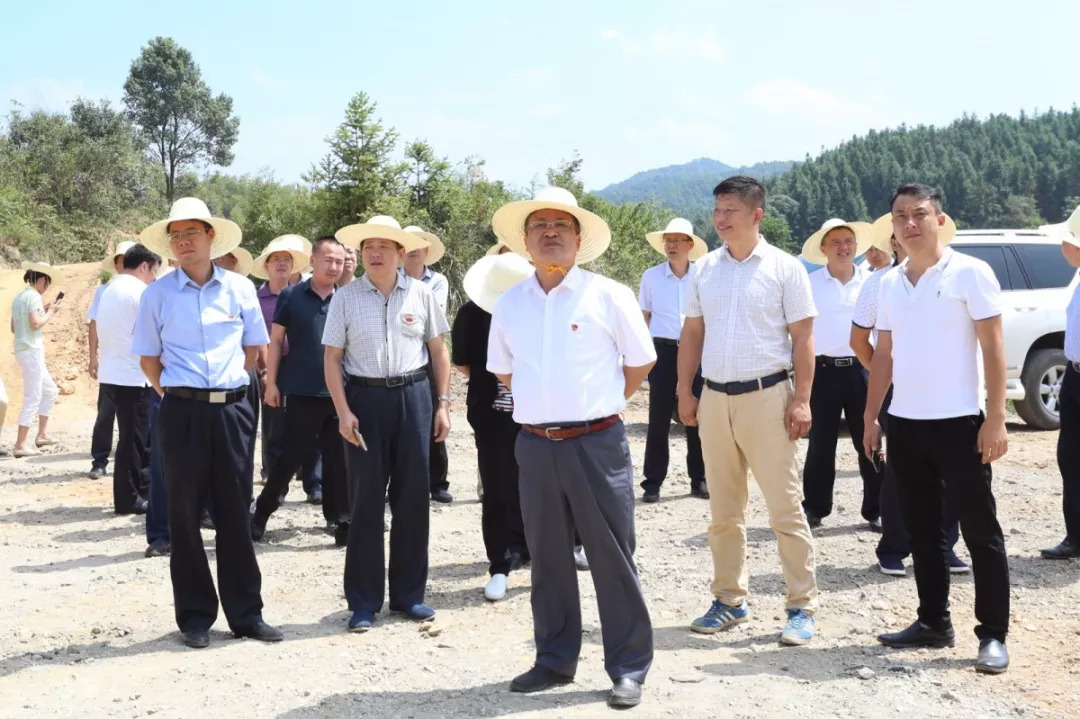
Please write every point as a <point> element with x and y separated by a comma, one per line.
<point>1072,327</point>
<point>200,332</point>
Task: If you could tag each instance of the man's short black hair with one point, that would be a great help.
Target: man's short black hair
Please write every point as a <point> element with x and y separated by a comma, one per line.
<point>747,189</point>
<point>325,239</point>
<point>138,254</point>
<point>920,192</point>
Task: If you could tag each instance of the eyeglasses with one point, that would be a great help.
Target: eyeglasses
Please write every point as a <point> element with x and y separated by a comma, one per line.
<point>185,235</point>
<point>675,240</point>
<point>543,226</point>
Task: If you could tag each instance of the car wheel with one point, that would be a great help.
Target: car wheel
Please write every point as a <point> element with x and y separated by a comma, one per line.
<point>1041,378</point>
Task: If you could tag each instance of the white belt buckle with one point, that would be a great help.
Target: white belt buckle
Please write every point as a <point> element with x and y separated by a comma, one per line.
<point>218,397</point>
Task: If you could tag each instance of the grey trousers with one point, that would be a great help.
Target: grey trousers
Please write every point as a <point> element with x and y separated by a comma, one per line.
<point>587,483</point>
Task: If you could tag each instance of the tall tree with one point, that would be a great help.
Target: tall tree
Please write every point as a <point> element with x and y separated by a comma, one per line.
<point>183,122</point>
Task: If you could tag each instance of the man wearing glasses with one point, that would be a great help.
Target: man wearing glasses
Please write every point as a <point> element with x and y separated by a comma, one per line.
<point>663,288</point>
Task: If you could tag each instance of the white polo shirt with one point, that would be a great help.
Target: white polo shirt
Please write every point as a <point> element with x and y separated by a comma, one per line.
<point>116,312</point>
<point>835,302</point>
<point>91,314</point>
<point>937,366</point>
<point>865,315</point>
<point>662,294</point>
<point>747,306</point>
<point>566,348</point>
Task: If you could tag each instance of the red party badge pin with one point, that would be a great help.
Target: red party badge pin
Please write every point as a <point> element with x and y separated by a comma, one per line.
<point>408,319</point>
<point>573,327</point>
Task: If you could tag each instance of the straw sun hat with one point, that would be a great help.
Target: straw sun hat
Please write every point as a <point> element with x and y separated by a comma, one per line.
<point>509,222</point>
<point>379,227</point>
<point>436,249</point>
<point>493,275</point>
<point>298,248</point>
<point>679,226</point>
<point>227,233</point>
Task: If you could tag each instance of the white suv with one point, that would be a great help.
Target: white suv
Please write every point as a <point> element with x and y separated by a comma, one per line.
<point>1037,284</point>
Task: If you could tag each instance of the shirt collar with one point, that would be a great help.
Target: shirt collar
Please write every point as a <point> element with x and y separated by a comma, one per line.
<point>427,275</point>
<point>859,273</point>
<point>668,272</point>
<point>305,286</point>
<point>402,282</point>
<point>759,250</point>
<point>573,280</point>
<point>182,278</point>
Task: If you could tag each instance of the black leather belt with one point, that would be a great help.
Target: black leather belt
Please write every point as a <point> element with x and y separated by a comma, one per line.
<point>749,386</point>
<point>389,382</point>
<point>213,396</point>
<point>665,341</point>
<point>825,361</point>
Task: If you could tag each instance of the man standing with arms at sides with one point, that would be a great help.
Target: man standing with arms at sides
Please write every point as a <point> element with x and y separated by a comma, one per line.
<point>122,378</point>
<point>894,545</point>
<point>839,379</point>
<point>299,388</point>
<point>661,296</point>
<point>1068,448</point>
<point>198,332</point>
<point>749,318</point>
<point>348,274</point>
<point>381,329</point>
<point>416,266</point>
<point>102,437</point>
<point>572,347</point>
<point>944,305</point>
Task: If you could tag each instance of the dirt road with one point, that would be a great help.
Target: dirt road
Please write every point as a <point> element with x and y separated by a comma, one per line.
<point>86,624</point>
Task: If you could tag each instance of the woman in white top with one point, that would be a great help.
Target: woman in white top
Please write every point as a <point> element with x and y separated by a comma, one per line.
<point>28,315</point>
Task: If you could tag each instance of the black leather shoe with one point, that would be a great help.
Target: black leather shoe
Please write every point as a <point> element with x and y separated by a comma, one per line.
<point>259,630</point>
<point>1066,550</point>
<point>875,525</point>
<point>315,496</point>
<point>625,693</point>
<point>442,497</point>
<point>993,657</point>
<point>197,639</point>
<point>813,520</point>
<point>258,527</point>
<point>650,497</point>
<point>157,548</point>
<point>919,635</point>
<point>141,506</point>
<point>96,473</point>
<point>538,679</point>
<point>341,534</point>
<point>700,490</point>
<point>207,522</point>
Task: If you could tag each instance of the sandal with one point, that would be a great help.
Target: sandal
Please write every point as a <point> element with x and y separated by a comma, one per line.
<point>44,442</point>
<point>20,453</point>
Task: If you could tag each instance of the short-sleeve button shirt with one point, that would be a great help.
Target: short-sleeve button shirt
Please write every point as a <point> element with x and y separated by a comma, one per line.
<point>383,336</point>
<point>937,371</point>
<point>200,332</point>
<point>1072,327</point>
<point>303,313</point>
<point>566,348</point>
<point>119,308</point>
<point>835,303</point>
<point>747,306</point>
<point>866,304</point>
<point>662,294</point>
<point>91,314</point>
<point>26,303</point>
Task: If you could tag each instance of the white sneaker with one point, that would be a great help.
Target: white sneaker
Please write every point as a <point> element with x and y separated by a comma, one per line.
<point>496,588</point>
<point>580,560</point>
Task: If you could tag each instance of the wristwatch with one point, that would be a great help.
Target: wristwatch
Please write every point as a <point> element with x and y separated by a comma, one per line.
<point>445,398</point>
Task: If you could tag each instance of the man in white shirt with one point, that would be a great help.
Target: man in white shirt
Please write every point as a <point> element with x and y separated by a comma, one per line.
<point>935,313</point>
<point>749,319</point>
<point>572,346</point>
<point>839,379</point>
<point>663,288</point>
<point>122,378</point>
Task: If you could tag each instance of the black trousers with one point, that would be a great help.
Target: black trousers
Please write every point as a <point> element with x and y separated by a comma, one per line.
<point>308,422</point>
<point>396,425</point>
<point>101,442</point>
<point>131,468</point>
<point>895,541</point>
<point>836,390</point>
<point>937,464</point>
<point>1068,452</point>
<point>205,452</point>
<point>438,462</point>
<point>500,514</point>
<point>663,399</point>
<point>586,483</point>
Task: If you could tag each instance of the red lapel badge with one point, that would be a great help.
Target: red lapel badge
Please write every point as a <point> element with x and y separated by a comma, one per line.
<point>573,327</point>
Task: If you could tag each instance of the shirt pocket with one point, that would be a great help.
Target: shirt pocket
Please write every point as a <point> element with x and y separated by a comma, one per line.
<point>411,325</point>
<point>588,342</point>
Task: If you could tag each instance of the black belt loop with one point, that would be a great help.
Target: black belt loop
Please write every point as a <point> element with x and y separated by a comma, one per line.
<point>212,396</point>
<point>390,382</point>
<point>734,388</point>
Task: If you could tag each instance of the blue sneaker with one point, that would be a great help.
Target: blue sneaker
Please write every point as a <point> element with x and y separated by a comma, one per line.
<point>719,617</point>
<point>361,620</point>
<point>417,612</point>
<point>892,565</point>
<point>957,565</point>
<point>799,628</point>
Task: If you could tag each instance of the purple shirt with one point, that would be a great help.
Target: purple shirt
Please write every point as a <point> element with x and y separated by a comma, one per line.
<point>268,303</point>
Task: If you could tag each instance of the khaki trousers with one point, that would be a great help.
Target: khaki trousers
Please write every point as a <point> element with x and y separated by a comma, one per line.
<point>748,431</point>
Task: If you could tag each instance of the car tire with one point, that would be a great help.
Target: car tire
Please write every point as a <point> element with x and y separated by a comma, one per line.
<point>1041,378</point>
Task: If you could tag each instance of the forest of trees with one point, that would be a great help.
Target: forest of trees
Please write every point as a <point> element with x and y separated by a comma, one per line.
<point>73,183</point>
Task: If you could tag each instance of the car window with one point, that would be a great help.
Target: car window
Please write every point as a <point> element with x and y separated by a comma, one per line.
<point>994,256</point>
<point>1045,266</point>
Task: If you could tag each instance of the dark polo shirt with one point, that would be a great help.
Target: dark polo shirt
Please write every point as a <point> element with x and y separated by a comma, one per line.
<point>303,315</point>
<point>469,343</point>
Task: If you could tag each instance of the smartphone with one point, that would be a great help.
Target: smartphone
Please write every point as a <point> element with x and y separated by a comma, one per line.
<point>878,460</point>
<point>60,296</point>
<point>359,438</point>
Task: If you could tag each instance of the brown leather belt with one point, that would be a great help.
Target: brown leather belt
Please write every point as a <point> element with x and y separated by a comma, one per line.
<point>571,431</point>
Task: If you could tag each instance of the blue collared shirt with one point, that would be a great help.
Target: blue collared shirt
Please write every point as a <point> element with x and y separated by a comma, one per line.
<point>200,332</point>
<point>1072,327</point>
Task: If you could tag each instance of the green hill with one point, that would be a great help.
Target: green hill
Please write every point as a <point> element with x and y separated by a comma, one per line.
<point>683,187</point>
